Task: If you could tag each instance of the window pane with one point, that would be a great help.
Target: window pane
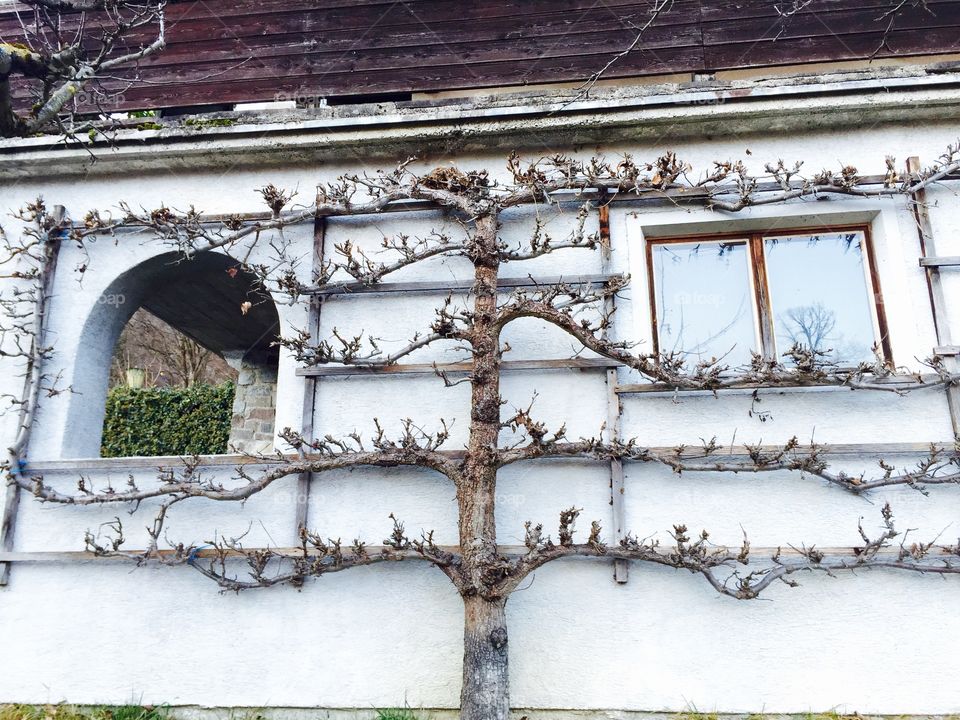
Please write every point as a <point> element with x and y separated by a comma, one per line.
<point>703,300</point>
<point>819,295</point>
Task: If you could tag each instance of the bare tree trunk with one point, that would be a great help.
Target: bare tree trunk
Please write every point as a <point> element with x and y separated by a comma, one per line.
<point>486,683</point>
<point>477,490</point>
<point>486,692</point>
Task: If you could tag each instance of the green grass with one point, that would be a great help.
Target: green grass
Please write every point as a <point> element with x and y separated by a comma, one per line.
<point>71,712</point>
<point>694,714</point>
<point>138,712</point>
<point>396,714</point>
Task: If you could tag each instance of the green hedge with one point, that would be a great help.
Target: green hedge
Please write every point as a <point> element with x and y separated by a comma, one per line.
<point>167,421</point>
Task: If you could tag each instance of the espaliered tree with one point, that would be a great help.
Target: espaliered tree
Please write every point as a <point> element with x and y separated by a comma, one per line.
<point>484,572</point>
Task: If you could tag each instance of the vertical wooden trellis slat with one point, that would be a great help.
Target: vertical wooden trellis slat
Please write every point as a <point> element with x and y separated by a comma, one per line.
<point>621,568</point>
<point>11,505</point>
<point>617,486</point>
<point>938,300</point>
<point>310,382</point>
<point>9,528</point>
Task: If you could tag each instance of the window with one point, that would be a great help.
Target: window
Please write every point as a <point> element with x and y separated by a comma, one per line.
<point>726,296</point>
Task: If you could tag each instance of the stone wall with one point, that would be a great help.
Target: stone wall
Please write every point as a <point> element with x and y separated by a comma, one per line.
<point>255,404</point>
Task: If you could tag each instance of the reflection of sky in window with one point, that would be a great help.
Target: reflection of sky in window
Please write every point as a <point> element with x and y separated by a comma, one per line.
<point>819,295</point>
<point>703,300</point>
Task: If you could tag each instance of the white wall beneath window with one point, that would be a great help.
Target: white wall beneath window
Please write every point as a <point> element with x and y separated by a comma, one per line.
<point>875,643</point>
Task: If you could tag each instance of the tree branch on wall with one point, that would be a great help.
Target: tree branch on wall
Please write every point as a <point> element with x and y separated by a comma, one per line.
<point>484,572</point>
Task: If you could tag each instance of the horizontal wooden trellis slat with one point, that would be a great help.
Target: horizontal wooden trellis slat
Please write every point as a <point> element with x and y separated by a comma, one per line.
<point>669,197</point>
<point>443,286</point>
<point>455,368</point>
<point>68,556</point>
<point>730,452</point>
<point>943,261</point>
<point>893,383</point>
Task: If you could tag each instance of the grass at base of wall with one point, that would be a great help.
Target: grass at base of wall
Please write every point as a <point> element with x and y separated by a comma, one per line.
<point>146,712</point>
<point>396,714</point>
<point>149,712</point>
<point>72,712</point>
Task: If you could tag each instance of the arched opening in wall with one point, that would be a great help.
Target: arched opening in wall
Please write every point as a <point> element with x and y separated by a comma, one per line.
<point>181,355</point>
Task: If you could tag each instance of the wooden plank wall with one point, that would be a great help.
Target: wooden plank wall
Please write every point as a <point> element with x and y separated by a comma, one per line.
<point>228,51</point>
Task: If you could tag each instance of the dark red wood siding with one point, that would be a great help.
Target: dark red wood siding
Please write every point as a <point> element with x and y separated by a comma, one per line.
<point>227,51</point>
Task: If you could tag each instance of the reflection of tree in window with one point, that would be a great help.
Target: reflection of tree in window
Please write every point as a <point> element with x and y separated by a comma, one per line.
<point>703,300</point>
<point>850,240</point>
<point>810,325</point>
<point>819,295</point>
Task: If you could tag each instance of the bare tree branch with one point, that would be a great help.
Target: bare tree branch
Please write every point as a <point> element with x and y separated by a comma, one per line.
<point>64,51</point>
<point>938,467</point>
<point>414,448</point>
<point>703,558</point>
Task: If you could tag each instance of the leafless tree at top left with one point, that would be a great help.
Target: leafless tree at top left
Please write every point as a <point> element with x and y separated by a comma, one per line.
<point>65,63</point>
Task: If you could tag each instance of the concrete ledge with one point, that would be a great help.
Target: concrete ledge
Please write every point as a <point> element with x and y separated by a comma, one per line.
<point>392,130</point>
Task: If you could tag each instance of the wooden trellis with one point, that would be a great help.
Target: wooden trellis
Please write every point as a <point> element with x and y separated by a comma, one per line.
<point>929,260</point>
<point>310,383</point>
<point>938,302</point>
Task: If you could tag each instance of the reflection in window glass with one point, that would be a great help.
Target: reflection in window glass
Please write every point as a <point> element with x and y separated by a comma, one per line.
<point>703,300</point>
<point>819,295</point>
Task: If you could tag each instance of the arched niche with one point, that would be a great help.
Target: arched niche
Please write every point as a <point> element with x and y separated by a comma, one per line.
<point>204,298</point>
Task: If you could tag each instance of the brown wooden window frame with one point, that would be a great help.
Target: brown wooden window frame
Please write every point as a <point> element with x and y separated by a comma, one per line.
<point>763,311</point>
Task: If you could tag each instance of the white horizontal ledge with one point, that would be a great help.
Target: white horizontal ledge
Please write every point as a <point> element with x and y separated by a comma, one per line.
<point>833,100</point>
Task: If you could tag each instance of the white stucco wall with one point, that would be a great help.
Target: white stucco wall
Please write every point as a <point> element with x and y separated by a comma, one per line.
<point>876,643</point>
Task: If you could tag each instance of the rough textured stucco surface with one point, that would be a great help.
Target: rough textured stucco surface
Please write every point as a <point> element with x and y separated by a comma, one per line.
<point>107,633</point>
